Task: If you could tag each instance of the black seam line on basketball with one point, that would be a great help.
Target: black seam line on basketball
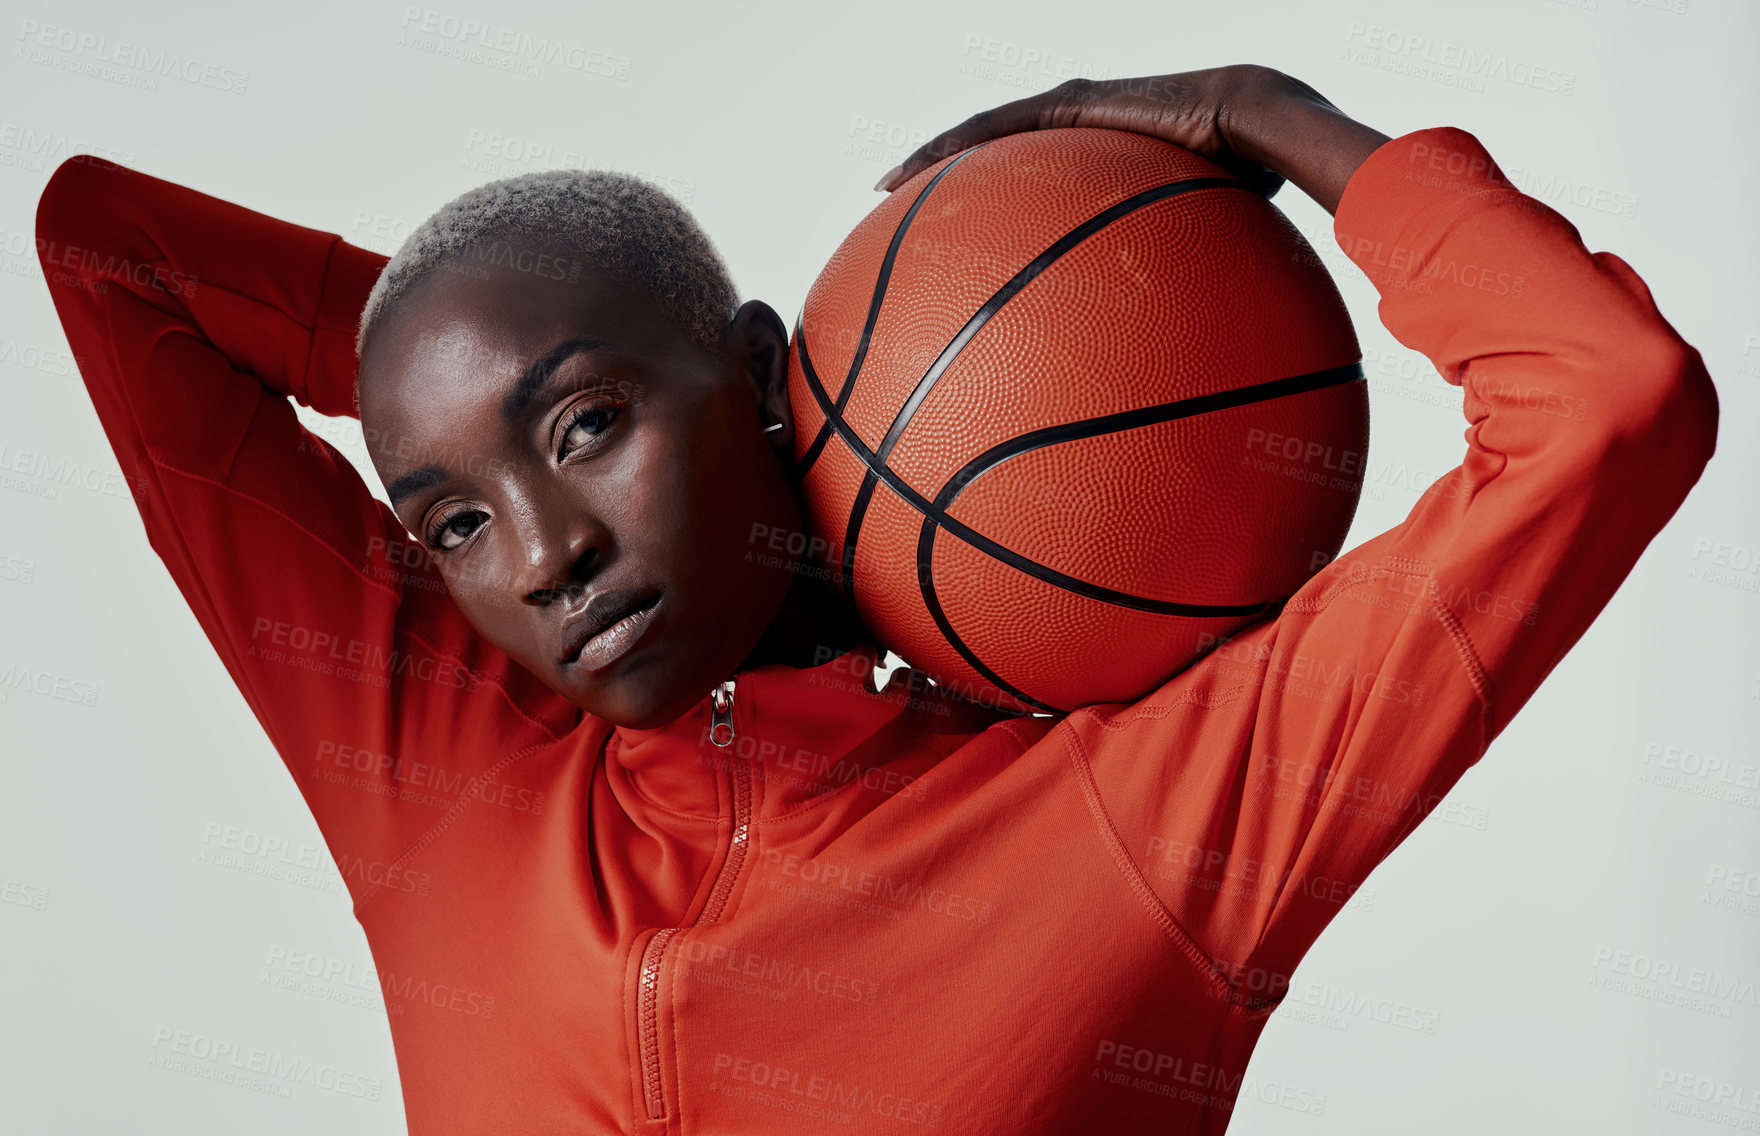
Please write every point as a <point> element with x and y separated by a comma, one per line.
<point>1014,559</point>
<point>926,583</point>
<point>1136,419</point>
<point>858,509</point>
<point>1144,416</point>
<point>812,455</point>
<point>995,304</point>
<point>1277,388</point>
<point>879,297</point>
<point>832,416</point>
<point>1026,276</point>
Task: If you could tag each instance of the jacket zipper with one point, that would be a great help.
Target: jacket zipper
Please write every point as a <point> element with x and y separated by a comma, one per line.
<point>721,732</point>
<point>648,1014</point>
<point>721,714</point>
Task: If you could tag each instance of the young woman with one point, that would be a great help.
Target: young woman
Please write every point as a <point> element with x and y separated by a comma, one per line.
<point>636,843</point>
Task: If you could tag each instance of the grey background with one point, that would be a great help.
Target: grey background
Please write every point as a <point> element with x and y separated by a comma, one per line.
<point>1520,921</point>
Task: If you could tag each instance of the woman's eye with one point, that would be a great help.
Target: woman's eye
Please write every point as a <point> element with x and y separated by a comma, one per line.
<point>586,424</point>
<point>452,531</point>
<point>583,427</point>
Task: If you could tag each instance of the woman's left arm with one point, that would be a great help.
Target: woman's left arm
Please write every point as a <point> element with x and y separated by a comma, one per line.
<point>1300,755</point>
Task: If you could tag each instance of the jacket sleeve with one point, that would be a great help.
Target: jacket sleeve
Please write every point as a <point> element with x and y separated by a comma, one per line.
<point>1253,793</point>
<point>193,321</point>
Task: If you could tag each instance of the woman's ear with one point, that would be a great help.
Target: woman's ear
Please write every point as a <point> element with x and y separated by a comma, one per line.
<point>757,343</point>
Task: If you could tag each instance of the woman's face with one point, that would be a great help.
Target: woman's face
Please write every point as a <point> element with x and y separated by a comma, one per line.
<point>568,455</point>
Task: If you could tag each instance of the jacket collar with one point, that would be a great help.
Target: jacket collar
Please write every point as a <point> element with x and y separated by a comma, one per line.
<point>806,731</point>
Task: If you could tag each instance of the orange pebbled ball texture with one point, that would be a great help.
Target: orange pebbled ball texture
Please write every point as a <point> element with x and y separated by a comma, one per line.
<point>1070,406</point>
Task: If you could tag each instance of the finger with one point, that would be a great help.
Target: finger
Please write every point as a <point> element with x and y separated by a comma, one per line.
<point>1009,118</point>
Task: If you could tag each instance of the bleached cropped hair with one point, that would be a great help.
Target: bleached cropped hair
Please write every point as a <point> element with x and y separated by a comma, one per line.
<point>610,221</point>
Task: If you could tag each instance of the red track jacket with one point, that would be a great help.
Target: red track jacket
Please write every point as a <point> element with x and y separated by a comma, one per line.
<point>877,911</point>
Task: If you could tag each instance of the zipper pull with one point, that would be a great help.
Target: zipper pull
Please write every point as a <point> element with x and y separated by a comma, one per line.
<point>721,714</point>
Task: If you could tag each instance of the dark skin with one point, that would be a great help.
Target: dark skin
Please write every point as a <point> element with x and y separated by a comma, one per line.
<point>1260,124</point>
<point>644,461</point>
<point>641,463</point>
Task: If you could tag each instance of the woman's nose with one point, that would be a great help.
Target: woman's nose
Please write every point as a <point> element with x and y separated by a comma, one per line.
<point>560,548</point>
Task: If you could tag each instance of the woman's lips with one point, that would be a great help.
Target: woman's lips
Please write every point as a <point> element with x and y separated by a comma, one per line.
<point>616,640</point>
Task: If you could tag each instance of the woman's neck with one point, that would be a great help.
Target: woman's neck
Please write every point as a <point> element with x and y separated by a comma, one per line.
<point>813,626</point>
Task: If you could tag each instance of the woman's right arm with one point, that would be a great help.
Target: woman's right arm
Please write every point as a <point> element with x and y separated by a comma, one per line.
<point>193,320</point>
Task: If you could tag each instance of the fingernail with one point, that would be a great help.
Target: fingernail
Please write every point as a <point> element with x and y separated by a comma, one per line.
<point>888,176</point>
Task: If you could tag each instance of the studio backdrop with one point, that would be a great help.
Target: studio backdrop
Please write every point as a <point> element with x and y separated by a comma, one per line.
<point>1570,943</point>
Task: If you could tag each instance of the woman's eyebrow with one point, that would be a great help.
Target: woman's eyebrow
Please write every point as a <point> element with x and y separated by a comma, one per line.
<point>530,383</point>
<point>525,389</point>
<point>415,481</point>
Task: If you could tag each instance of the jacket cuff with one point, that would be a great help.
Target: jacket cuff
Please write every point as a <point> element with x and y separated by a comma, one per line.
<point>1397,203</point>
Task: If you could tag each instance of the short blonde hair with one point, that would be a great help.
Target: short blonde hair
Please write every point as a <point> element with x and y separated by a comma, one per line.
<point>612,222</point>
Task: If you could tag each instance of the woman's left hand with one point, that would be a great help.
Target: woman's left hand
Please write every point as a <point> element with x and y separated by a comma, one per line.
<point>1189,109</point>
<point>1257,123</point>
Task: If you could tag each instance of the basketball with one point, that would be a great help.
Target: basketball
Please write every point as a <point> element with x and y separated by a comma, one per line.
<point>1070,406</point>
